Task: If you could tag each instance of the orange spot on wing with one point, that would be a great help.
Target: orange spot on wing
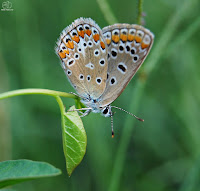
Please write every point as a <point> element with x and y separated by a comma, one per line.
<point>130,37</point>
<point>138,39</point>
<point>96,37</point>
<point>81,33</point>
<point>62,55</point>
<point>108,41</point>
<point>115,38</point>
<point>123,37</point>
<point>69,44</point>
<point>88,32</point>
<point>143,45</point>
<point>76,38</point>
<point>102,45</point>
<point>66,51</point>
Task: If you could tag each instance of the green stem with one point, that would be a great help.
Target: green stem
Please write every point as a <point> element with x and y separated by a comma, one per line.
<point>36,91</point>
<point>139,17</point>
<point>62,111</point>
<point>107,11</point>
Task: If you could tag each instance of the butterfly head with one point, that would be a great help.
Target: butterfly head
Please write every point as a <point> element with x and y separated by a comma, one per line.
<point>95,106</point>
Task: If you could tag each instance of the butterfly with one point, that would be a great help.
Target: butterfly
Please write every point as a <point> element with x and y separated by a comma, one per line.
<point>100,63</point>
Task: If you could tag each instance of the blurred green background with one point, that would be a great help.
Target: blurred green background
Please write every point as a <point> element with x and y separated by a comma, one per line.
<point>160,154</point>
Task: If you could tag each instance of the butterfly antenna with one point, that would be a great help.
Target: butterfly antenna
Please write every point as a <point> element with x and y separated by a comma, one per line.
<point>112,126</point>
<point>128,113</point>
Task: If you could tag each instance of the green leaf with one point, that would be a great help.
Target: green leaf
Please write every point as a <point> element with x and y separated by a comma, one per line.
<point>16,171</point>
<point>74,139</point>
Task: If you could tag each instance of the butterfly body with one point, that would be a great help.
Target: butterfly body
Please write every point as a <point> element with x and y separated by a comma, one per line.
<point>100,63</point>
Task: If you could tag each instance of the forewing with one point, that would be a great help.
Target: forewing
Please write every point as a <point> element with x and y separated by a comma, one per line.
<point>83,52</point>
<point>128,46</point>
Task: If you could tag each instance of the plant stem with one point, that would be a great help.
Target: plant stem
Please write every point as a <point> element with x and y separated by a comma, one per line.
<point>139,17</point>
<point>107,11</point>
<point>36,91</point>
<point>62,112</point>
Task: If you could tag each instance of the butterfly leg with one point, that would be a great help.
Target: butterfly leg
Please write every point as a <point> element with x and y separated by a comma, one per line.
<point>85,113</point>
<point>88,110</point>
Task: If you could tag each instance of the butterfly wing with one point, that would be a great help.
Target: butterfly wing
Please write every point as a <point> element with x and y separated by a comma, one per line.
<point>128,46</point>
<point>83,52</point>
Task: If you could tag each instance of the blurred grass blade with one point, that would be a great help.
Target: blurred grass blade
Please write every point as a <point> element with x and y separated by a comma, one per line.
<point>16,171</point>
<point>74,139</point>
<point>107,11</point>
<point>191,181</point>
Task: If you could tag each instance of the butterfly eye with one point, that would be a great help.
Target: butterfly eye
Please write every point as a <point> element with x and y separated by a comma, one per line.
<point>105,111</point>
